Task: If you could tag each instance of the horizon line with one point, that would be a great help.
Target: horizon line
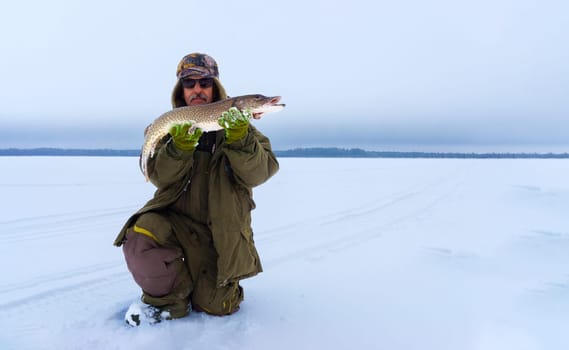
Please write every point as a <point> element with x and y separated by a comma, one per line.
<point>301,152</point>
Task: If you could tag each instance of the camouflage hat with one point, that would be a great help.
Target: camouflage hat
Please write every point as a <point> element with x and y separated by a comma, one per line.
<point>197,64</point>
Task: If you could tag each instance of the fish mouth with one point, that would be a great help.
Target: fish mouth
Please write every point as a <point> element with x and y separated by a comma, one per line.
<point>275,101</point>
<point>272,105</point>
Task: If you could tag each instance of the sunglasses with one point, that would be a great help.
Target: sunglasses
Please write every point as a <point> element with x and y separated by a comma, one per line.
<point>204,83</point>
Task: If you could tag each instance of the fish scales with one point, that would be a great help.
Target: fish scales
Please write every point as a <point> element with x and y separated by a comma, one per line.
<point>202,116</point>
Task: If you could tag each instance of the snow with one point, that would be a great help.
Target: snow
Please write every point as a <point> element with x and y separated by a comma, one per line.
<point>358,254</point>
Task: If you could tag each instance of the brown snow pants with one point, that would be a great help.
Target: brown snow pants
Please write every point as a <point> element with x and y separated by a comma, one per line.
<point>174,261</point>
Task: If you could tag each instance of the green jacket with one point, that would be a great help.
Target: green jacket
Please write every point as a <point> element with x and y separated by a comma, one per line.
<point>233,170</point>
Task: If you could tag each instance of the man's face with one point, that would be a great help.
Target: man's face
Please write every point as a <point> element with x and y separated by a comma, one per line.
<point>197,90</point>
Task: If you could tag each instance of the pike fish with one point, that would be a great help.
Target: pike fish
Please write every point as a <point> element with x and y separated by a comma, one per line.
<point>203,116</point>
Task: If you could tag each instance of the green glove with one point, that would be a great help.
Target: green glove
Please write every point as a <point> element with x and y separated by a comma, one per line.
<point>235,123</point>
<point>184,140</point>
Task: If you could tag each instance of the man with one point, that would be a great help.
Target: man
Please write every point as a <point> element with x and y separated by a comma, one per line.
<point>189,246</point>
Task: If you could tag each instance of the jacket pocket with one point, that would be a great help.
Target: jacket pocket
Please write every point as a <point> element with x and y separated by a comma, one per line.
<point>247,233</point>
<point>245,200</point>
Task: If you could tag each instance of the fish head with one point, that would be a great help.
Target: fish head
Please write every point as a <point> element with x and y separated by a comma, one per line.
<point>259,104</point>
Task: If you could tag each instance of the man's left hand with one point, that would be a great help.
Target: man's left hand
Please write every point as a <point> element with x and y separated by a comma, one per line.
<point>235,123</point>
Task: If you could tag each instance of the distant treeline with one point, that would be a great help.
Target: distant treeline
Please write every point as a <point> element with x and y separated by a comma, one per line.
<point>331,152</point>
<point>360,153</point>
<point>69,152</point>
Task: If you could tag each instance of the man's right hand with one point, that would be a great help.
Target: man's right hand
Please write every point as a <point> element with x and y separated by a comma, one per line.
<point>182,139</point>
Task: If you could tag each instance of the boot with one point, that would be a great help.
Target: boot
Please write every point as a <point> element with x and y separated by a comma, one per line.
<point>139,313</point>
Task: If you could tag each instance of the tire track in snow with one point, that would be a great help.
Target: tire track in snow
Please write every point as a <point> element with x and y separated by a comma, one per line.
<point>69,285</point>
<point>362,212</point>
<point>299,227</point>
<point>76,281</point>
<point>42,218</point>
<point>374,220</point>
<point>46,227</point>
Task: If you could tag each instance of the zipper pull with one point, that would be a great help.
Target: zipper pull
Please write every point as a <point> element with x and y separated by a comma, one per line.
<point>186,186</point>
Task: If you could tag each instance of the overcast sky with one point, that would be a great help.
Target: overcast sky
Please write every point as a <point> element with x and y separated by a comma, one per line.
<point>406,73</point>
